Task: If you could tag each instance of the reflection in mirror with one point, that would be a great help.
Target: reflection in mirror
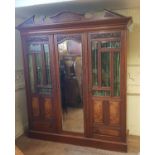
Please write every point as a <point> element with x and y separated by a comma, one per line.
<point>70,64</point>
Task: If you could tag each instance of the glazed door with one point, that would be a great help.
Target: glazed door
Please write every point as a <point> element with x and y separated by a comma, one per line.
<point>39,75</point>
<point>107,99</point>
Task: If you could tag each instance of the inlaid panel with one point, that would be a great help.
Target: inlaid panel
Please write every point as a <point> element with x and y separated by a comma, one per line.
<point>114,110</point>
<point>98,111</point>
<point>35,106</point>
<point>48,108</point>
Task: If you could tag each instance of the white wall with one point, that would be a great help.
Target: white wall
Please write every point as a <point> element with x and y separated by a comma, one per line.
<point>21,122</point>
<point>133,72</point>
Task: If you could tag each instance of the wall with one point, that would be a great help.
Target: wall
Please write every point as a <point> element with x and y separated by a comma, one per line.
<point>133,72</point>
<point>133,79</point>
<point>21,122</point>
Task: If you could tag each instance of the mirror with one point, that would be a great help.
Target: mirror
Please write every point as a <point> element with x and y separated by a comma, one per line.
<point>70,68</point>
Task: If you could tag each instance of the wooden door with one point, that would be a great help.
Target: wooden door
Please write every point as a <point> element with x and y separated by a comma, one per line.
<point>107,85</point>
<point>39,76</point>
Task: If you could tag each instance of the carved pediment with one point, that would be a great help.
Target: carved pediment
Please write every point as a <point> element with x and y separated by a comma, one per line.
<point>68,17</point>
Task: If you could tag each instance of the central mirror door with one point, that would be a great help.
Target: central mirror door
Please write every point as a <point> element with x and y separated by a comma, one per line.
<point>69,48</point>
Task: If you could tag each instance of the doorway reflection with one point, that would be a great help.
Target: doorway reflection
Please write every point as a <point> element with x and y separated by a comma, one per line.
<point>70,64</point>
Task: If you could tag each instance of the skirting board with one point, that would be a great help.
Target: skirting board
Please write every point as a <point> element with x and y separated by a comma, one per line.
<point>80,140</point>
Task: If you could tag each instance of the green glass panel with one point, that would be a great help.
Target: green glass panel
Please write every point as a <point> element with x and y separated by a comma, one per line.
<point>38,68</point>
<point>101,93</point>
<point>34,48</point>
<point>105,68</point>
<point>115,44</point>
<point>44,89</point>
<point>116,74</point>
<point>46,48</point>
<point>47,64</point>
<point>31,73</point>
<point>94,50</point>
<point>110,44</point>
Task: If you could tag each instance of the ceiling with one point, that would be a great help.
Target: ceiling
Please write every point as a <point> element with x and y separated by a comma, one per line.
<point>75,5</point>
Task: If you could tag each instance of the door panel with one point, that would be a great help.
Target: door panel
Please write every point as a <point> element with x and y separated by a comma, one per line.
<point>106,117</point>
<point>35,107</point>
<point>114,111</point>
<point>105,93</point>
<point>98,111</point>
<point>39,79</point>
<point>48,109</point>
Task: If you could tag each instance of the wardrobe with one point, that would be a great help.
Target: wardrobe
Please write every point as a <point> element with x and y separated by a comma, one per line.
<point>75,77</point>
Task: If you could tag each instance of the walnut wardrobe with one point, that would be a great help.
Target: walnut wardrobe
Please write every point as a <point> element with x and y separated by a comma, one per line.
<point>75,75</point>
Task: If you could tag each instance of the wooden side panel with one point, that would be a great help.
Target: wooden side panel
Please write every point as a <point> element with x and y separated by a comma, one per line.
<point>47,108</point>
<point>98,111</point>
<point>114,110</point>
<point>35,107</point>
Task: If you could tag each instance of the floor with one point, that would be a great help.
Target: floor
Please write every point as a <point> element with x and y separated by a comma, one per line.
<point>18,151</point>
<point>73,120</point>
<point>39,147</point>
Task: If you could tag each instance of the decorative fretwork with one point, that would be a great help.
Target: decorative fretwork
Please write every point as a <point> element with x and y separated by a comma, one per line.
<point>35,39</point>
<point>61,38</point>
<point>106,35</point>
